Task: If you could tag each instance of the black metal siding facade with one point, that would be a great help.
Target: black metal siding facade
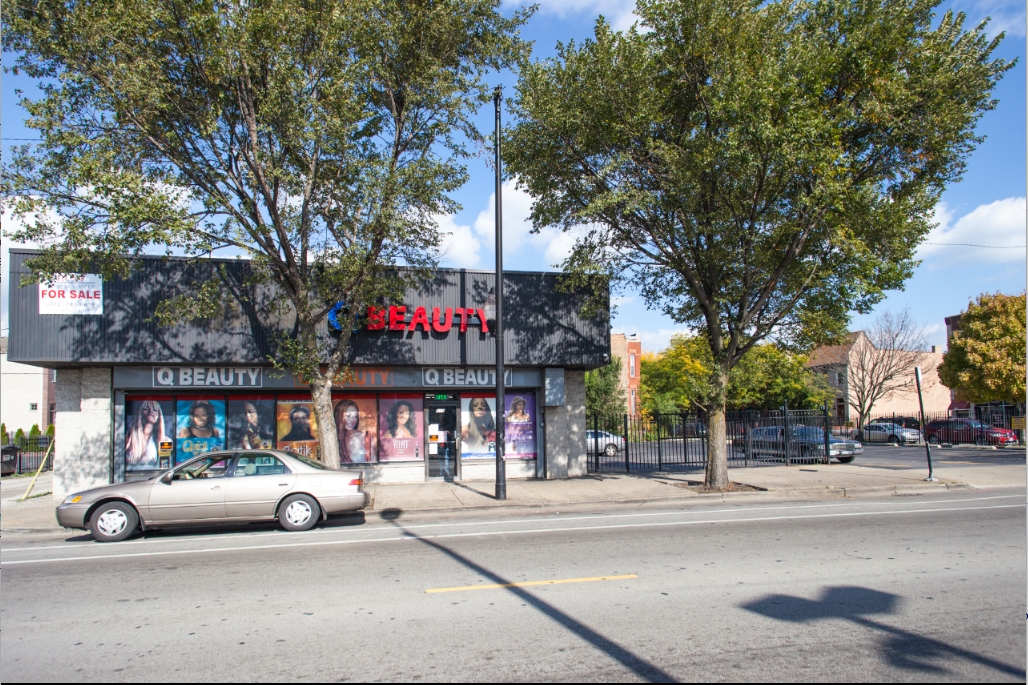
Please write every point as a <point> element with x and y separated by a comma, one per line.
<point>543,325</point>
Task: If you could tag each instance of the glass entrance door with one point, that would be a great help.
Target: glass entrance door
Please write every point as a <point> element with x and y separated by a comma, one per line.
<point>443,432</point>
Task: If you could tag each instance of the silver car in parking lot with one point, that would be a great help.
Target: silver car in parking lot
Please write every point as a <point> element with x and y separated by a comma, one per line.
<point>260,485</point>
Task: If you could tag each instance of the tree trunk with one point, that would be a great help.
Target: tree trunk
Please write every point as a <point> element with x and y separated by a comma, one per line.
<point>717,438</point>
<point>321,393</point>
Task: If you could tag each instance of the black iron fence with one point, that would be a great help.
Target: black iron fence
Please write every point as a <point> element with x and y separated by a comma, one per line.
<point>667,442</point>
<point>1003,427</point>
<point>26,455</point>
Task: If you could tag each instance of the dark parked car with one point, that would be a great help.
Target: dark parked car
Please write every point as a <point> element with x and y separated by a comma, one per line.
<point>805,442</point>
<point>968,431</point>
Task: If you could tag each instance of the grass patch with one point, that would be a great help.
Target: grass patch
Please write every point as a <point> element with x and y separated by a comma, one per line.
<point>41,494</point>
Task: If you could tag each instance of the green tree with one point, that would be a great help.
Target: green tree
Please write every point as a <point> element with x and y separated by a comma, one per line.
<point>604,395</point>
<point>3,434</point>
<point>985,361</point>
<point>19,437</point>
<point>758,169</point>
<point>34,432</point>
<point>319,138</point>
<point>767,378</point>
<point>51,431</point>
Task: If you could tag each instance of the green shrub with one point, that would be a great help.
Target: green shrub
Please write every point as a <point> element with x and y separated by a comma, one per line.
<point>4,438</point>
<point>34,432</point>
<point>19,438</point>
<point>50,430</point>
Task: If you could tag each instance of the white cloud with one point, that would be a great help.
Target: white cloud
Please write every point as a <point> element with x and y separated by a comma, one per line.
<point>459,248</point>
<point>620,13</point>
<point>1000,223</point>
<point>653,341</point>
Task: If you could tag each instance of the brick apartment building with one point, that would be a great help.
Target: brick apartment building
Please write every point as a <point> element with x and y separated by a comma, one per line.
<point>629,349</point>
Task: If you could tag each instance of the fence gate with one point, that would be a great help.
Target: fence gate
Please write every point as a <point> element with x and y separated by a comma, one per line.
<point>668,442</point>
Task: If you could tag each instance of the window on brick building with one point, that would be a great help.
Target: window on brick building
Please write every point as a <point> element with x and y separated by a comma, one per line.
<point>631,365</point>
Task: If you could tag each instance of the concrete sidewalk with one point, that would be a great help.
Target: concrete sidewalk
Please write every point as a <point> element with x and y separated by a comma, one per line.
<point>835,480</point>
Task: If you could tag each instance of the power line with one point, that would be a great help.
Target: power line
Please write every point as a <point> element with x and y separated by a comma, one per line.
<point>994,247</point>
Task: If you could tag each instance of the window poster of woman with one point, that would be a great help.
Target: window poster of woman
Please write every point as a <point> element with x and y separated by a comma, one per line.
<point>297,427</point>
<point>520,426</point>
<point>201,426</point>
<point>355,423</point>
<point>478,426</point>
<point>251,422</point>
<point>145,428</point>
<point>400,428</point>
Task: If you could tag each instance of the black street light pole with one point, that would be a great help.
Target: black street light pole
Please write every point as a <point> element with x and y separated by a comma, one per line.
<point>927,447</point>
<point>501,418</point>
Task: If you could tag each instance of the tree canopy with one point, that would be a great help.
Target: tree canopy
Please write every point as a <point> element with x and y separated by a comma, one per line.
<point>985,361</point>
<point>317,138</point>
<point>758,169</point>
<point>679,379</point>
<point>604,395</point>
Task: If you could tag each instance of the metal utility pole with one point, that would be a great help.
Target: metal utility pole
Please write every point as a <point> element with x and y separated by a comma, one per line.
<point>927,447</point>
<point>501,420</point>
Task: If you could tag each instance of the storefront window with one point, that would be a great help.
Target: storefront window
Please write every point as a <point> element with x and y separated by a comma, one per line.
<point>477,426</point>
<point>251,422</point>
<point>355,426</point>
<point>520,426</point>
<point>148,422</point>
<point>201,426</point>
<point>297,427</point>
<point>401,418</point>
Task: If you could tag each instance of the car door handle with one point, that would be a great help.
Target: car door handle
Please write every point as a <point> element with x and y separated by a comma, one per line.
<point>283,485</point>
<point>216,487</point>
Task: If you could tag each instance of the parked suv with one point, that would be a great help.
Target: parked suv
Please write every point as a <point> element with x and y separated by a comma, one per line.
<point>902,421</point>
<point>956,431</point>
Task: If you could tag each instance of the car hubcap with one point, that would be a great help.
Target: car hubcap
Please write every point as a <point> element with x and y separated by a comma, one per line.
<point>298,513</point>
<point>112,522</point>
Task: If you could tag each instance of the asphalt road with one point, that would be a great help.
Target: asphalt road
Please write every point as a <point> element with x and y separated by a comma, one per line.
<point>891,588</point>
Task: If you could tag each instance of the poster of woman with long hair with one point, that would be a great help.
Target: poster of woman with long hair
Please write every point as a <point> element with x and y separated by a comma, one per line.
<point>355,423</point>
<point>145,428</point>
<point>478,426</point>
<point>201,426</point>
<point>520,426</point>
<point>251,423</point>
<point>399,428</point>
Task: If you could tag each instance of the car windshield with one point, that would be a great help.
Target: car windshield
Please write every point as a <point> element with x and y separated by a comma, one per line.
<point>310,462</point>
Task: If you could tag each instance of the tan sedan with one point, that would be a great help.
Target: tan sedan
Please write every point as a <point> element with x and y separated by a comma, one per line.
<point>218,487</point>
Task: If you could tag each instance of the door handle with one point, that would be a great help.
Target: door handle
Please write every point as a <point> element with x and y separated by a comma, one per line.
<point>216,487</point>
<point>283,485</point>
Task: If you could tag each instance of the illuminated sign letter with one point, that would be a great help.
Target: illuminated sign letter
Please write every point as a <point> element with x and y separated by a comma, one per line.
<point>438,324</point>
<point>376,319</point>
<point>397,318</point>
<point>420,318</point>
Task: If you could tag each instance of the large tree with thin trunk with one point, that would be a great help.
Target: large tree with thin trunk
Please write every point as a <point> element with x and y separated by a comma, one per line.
<point>757,169</point>
<point>882,361</point>
<point>318,138</point>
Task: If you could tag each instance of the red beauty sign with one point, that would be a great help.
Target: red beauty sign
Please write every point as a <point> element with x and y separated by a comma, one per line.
<point>441,321</point>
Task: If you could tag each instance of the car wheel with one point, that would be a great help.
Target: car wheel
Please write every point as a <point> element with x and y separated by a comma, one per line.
<point>933,439</point>
<point>893,440</point>
<point>611,450</point>
<point>299,512</point>
<point>845,460</point>
<point>113,522</point>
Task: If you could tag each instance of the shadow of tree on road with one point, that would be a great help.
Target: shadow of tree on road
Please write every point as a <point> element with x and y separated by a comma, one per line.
<point>901,648</point>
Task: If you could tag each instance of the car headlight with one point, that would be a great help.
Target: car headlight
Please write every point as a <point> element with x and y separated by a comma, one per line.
<point>73,499</point>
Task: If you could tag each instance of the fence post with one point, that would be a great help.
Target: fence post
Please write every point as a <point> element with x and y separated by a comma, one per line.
<point>785,431</point>
<point>596,441</point>
<point>828,452</point>
<point>749,439</point>
<point>660,454</point>
<point>628,468</point>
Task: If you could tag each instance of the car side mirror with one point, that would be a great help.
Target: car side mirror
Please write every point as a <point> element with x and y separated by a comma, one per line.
<point>166,478</point>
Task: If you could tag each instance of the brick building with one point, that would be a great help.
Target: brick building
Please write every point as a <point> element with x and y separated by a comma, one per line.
<point>629,349</point>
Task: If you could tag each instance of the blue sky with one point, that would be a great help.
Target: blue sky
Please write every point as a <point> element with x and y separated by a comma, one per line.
<point>986,208</point>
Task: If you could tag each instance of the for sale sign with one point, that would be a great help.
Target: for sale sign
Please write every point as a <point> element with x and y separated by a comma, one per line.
<point>72,294</point>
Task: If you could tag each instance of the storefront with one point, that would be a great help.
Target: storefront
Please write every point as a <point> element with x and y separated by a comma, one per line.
<point>135,399</point>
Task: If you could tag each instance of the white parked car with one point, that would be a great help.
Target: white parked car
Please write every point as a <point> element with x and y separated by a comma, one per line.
<point>889,432</point>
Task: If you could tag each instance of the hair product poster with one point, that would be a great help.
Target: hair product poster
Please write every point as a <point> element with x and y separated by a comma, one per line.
<point>355,423</point>
<point>297,427</point>
<point>201,426</point>
<point>148,421</point>
<point>400,428</point>
<point>251,422</point>
<point>519,437</point>
<point>477,425</point>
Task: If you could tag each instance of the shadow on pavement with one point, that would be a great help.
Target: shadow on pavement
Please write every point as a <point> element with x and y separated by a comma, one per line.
<point>636,664</point>
<point>901,648</point>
